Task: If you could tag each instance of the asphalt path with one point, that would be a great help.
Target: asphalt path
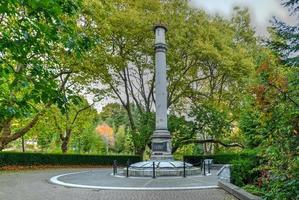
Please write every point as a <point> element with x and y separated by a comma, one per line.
<point>35,185</point>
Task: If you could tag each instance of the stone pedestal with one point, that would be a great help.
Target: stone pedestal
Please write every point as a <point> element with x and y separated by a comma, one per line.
<point>161,145</point>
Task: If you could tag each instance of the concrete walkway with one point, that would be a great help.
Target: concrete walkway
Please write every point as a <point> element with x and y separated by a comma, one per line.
<point>35,185</point>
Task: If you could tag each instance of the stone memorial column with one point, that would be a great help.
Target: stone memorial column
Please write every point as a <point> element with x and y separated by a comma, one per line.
<point>161,140</point>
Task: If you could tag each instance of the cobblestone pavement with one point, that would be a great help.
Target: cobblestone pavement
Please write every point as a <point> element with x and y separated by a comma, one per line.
<point>34,185</point>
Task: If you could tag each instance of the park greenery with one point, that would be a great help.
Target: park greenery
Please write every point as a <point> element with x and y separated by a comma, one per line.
<point>229,91</point>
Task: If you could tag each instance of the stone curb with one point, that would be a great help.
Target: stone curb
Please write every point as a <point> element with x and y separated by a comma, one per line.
<point>237,191</point>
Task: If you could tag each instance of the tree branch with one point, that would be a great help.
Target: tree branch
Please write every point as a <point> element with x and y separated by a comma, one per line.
<point>24,130</point>
<point>195,141</point>
<point>78,112</point>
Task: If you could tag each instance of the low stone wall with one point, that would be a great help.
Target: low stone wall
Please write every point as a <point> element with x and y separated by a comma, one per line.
<point>237,191</point>
<point>216,166</point>
<point>224,173</point>
<point>162,172</point>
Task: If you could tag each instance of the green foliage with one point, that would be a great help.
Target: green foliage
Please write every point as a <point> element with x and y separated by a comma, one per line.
<point>34,58</point>
<point>270,121</point>
<point>54,123</point>
<point>251,126</point>
<point>221,158</point>
<point>191,149</point>
<point>282,188</point>
<point>180,130</point>
<point>242,171</point>
<point>114,115</point>
<point>29,159</point>
<point>210,120</point>
<point>85,140</point>
<point>31,32</point>
<point>120,139</point>
<point>254,189</point>
<point>145,126</point>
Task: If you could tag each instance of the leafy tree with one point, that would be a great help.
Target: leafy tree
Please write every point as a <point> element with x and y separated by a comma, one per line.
<point>207,56</point>
<point>120,139</point>
<point>31,34</point>
<point>251,126</point>
<point>283,122</point>
<point>114,115</point>
<point>207,125</point>
<point>70,118</point>
<point>78,125</point>
<point>85,139</point>
<point>270,123</point>
<point>269,120</point>
<point>277,99</point>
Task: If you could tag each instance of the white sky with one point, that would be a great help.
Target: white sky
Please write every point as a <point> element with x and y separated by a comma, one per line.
<point>261,10</point>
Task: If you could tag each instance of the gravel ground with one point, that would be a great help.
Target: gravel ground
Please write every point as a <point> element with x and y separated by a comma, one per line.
<point>35,185</point>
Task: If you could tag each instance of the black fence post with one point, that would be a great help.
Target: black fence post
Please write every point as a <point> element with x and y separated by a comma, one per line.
<point>184,172</point>
<point>114,167</point>
<point>154,170</point>
<point>204,167</point>
<point>128,165</point>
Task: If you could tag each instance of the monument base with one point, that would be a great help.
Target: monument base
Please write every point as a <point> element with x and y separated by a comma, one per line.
<point>162,168</point>
<point>161,145</point>
<point>162,159</point>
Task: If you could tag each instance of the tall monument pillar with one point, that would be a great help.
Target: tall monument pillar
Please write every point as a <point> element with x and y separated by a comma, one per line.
<point>161,140</point>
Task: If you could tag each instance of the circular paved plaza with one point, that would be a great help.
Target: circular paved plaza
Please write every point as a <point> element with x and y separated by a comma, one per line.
<point>103,179</point>
<point>36,185</point>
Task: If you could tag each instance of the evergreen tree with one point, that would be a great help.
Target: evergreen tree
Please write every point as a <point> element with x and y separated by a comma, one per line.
<point>285,38</point>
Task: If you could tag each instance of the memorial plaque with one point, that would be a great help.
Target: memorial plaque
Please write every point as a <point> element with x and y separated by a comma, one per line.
<point>161,146</point>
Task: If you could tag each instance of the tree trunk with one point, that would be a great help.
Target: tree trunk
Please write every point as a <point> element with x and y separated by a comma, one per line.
<point>65,140</point>
<point>130,116</point>
<point>1,145</point>
<point>23,144</point>
<point>6,128</point>
<point>140,151</point>
<point>5,133</point>
<point>64,145</point>
<point>6,136</point>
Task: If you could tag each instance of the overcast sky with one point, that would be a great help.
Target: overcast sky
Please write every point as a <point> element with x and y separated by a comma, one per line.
<point>261,10</point>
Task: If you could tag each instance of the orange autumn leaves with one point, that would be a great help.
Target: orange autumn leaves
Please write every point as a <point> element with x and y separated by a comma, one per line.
<point>272,83</point>
<point>106,132</point>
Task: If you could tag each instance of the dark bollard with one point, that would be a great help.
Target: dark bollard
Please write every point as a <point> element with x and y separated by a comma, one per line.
<point>204,168</point>
<point>154,170</point>
<point>114,167</point>
<point>128,165</point>
<point>209,166</point>
<point>184,174</point>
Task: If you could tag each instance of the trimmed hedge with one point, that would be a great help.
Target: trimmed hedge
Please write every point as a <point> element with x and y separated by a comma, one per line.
<point>29,159</point>
<point>221,158</point>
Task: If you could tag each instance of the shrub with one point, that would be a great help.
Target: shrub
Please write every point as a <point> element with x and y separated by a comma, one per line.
<point>253,189</point>
<point>28,159</point>
<point>242,171</point>
<point>221,158</point>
